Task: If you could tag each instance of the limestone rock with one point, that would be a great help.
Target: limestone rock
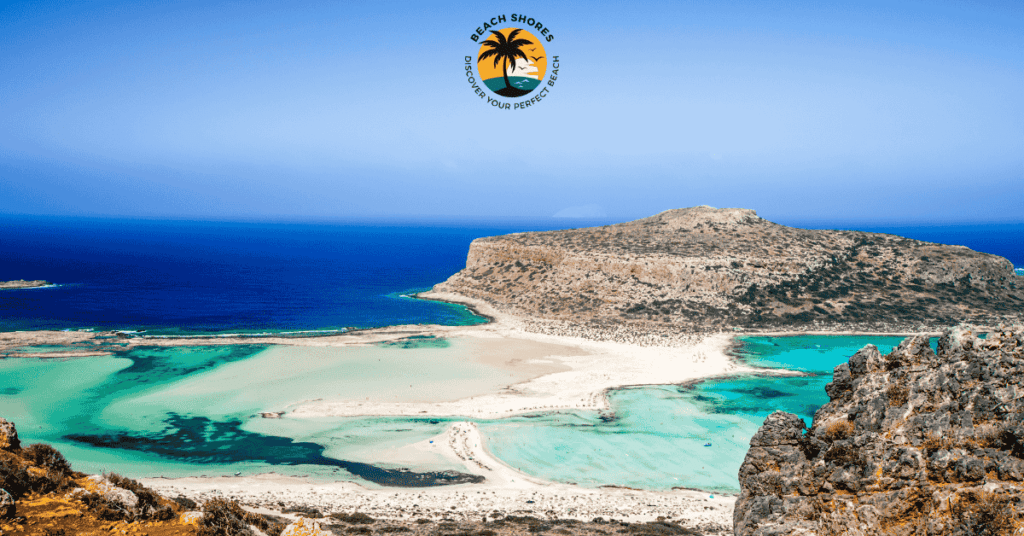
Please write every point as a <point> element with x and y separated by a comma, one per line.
<point>304,527</point>
<point>930,442</point>
<point>191,518</point>
<point>8,436</point>
<point>113,493</point>
<point>7,505</point>
<point>699,268</point>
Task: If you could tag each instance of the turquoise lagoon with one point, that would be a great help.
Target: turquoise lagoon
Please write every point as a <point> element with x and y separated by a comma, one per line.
<point>190,410</point>
<point>655,436</point>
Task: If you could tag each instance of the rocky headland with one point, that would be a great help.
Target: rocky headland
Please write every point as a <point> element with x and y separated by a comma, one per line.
<point>914,442</point>
<point>703,269</point>
<point>21,283</point>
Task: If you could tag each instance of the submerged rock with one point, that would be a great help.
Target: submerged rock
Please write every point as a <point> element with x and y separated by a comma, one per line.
<point>914,442</point>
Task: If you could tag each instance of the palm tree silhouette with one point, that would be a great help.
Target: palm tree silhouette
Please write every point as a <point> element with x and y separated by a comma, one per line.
<point>506,50</point>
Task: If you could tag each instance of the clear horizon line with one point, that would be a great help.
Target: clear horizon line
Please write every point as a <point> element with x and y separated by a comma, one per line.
<point>457,219</point>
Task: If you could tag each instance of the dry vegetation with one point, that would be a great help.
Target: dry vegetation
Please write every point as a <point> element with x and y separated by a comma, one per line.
<point>840,429</point>
<point>51,499</point>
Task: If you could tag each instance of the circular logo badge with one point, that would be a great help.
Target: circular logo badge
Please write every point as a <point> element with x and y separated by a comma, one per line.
<point>511,62</point>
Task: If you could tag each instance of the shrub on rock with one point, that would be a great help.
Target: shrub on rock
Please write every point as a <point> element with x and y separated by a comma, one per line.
<point>47,457</point>
<point>227,518</point>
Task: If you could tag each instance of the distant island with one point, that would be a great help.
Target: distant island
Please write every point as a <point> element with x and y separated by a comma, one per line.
<point>701,268</point>
<point>21,283</point>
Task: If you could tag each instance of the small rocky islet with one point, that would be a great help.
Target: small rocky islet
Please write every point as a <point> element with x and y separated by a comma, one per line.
<point>21,284</point>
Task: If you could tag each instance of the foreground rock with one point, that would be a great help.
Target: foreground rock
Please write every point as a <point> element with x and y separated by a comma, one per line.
<point>910,443</point>
<point>698,268</point>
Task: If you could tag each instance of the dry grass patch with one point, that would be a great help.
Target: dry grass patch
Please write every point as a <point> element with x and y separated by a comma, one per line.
<point>932,443</point>
<point>837,430</point>
<point>898,395</point>
<point>985,512</point>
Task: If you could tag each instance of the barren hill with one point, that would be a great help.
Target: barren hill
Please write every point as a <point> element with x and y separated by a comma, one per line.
<point>702,267</point>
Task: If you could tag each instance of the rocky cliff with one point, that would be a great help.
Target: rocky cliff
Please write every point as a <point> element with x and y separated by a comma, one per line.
<point>703,267</point>
<point>913,442</point>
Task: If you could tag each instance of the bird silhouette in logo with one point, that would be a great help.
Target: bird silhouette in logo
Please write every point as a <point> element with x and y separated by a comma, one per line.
<point>536,58</point>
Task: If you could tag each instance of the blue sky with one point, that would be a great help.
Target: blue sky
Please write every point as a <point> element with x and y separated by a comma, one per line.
<point>854,111</point>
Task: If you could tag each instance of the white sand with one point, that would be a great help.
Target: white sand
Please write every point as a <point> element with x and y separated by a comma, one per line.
<point>593,368</point>
<point>590,369</point>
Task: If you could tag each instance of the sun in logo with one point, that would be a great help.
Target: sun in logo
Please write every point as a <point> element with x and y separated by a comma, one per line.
<point>512,62</point>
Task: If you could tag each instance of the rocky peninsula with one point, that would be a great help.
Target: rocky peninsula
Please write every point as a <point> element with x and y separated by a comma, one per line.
<point>21,283</point>
<point>702,269</point>
<point>913,442</point>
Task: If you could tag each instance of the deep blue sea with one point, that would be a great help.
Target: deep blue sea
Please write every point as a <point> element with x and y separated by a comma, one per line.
<point>173,276</point>
<point>182,276</point>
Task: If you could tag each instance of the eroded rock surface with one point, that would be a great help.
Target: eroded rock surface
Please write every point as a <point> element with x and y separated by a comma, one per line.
<point>913,442</point>
<point>8,436</point>
<point>698,268</point>
<point>8,507</point>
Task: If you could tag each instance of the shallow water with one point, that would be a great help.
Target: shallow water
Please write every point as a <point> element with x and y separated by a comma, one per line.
<point>189,410</point>
<point>656,435</point>
<point>176,411</point>
<point>281,376</point>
